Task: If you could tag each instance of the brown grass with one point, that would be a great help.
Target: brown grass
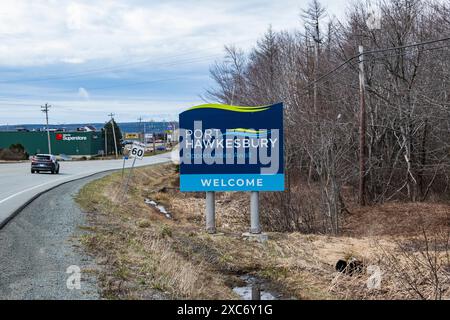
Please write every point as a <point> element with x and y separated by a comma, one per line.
<point>147,256</point>
<point>397,219</point>
<point>134,243</point>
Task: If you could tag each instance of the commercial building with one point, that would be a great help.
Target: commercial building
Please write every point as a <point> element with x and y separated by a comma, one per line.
<point>68,143</point>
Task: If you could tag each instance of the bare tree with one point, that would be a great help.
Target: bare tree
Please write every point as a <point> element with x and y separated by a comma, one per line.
<point>408,106</point>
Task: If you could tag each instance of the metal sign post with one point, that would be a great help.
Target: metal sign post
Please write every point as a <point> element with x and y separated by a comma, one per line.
<point>129,178</point>
<point>123,166</point>
<point>125,152</point>
<point>255,227</point>
<point>210,212</point>
<point>137,152</point>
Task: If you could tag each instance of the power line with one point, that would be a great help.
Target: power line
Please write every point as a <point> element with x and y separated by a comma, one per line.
<point>323,85</point>
<point>402,53</point>
<point>372,52</point>
<point>111,69</point>
<point>74,107</point>
<point>146,61</point>
<point>132,84</point>
<point>406,46</point>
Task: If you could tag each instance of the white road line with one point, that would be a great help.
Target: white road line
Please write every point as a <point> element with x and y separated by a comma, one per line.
<point>74,177</point>
<point>32,188</point>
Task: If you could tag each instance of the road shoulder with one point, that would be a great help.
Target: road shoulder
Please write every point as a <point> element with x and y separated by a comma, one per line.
<point>40,252</point>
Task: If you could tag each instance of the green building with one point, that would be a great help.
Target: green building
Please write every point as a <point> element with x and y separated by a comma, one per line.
<point>69,143</point>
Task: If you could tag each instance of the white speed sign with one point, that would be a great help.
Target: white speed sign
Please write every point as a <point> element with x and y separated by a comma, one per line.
<point>137,150</point>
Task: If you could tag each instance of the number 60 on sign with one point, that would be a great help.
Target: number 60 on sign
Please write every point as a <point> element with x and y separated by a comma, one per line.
<point>137,150</point>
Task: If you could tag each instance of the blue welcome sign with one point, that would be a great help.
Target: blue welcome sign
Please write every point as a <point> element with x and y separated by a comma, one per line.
<point>232,148</point>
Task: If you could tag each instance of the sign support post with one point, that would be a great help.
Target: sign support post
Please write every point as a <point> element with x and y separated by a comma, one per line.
<point>255,227</point>
<point>137,152</point>
<point>210,212</point>
<point>123,167</point>
<point>125,191</point>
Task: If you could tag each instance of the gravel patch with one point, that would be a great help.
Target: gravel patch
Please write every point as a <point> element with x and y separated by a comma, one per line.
<point>39,246</point>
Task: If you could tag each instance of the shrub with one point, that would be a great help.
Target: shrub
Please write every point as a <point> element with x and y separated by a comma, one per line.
<point>14,153</point>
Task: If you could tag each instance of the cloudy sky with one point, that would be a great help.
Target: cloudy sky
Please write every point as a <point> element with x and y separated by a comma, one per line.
<point>134,58</point>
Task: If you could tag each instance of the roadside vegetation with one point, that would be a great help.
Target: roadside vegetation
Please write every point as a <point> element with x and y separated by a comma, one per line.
<point>407,156</point>
<point>145,255</point>
<point>15,152</point>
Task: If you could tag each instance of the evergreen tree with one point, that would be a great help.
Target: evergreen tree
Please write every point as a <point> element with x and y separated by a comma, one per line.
<point>110,137</point>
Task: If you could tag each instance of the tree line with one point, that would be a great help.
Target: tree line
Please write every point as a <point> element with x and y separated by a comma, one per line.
<point>407,136</point>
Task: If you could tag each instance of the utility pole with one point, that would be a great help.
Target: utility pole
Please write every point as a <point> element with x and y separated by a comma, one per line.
<point>316,39</point>
<point>154,143</point>
<point>362,130</point>
<point>166,135</point>
<point>316,64</point>
<point>140,128</point>
<point>145,141</point>
<point>154,138</point>
<point>106,139</point>
<point>45,109</point>
<point>114,131</point>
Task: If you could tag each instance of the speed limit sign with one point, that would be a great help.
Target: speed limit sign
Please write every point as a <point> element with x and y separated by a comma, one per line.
<point>137,150</point>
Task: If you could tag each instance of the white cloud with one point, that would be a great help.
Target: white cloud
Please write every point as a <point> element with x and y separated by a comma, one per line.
<point>40,38</point>
<point>40,32</point>
<point>74,16</point>
<point>73,60</point>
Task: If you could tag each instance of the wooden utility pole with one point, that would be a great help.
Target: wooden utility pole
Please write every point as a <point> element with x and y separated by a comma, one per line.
<point>316,64</point>
<point>140,129</point>
<point>143,128</point>
<point>106,139</point>
<point>362,130</point>
<point>316,38</point>
<point>45,109</point>
<point>114,132</point>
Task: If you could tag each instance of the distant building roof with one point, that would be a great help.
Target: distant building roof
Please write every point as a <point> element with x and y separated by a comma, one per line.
<point>87,128</point>
<point>91,128</point>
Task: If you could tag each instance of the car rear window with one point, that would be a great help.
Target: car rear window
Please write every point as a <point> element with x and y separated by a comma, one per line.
<point>43,157</point>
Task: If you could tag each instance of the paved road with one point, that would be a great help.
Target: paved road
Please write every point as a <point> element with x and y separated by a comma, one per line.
<point>40,243</point>
<point>18,185</point>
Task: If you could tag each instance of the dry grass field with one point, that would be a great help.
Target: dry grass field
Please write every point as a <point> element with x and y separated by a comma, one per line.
<point>145,255</point>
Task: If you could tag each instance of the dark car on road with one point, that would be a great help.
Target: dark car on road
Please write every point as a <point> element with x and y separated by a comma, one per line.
<point>44,162</point>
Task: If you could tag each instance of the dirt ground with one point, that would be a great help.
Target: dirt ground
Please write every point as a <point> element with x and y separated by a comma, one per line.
<point>149,256</point>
